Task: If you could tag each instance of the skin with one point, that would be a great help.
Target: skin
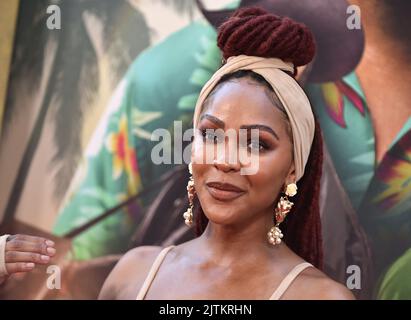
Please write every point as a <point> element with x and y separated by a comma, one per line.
<point>24,252</point>
<point>384,72</point>
<point>232,259</point>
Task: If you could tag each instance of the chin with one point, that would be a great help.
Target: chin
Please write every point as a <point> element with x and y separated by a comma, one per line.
<point>222,214</point>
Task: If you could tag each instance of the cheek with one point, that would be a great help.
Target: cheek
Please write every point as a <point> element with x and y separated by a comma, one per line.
<point>269,180</point>
<point>201,152</point>
<point>199,174</point>
<point>200,167</point>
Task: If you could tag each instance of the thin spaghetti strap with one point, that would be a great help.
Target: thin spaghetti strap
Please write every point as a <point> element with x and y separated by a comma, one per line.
<point>152,273</point>
<point>289,278</point>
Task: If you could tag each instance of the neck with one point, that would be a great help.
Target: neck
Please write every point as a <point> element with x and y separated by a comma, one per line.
<point>385,55</point>
<point>384,74</point>
<point>225,245</point>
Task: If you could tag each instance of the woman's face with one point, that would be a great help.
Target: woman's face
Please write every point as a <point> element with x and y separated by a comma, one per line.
<point>226,195</point>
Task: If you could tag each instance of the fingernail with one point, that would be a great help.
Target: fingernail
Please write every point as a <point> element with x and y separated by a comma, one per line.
<point>50,243</point>
<point>30,265</point>
<point>51,251</point>
<point>45,258</point>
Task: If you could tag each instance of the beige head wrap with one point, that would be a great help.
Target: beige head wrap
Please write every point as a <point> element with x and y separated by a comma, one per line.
<point>288,91</point>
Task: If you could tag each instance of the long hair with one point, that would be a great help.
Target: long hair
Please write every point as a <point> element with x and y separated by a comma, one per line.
<point>253,31</point>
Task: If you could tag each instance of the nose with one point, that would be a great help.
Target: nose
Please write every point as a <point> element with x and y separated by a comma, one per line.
<point>225,166</point>
<point>226,157</point>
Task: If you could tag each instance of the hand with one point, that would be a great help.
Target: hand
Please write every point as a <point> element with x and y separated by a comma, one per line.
<point>23,252</point>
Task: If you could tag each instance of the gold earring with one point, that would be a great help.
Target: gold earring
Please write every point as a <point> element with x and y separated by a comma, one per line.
<point>188,215</point>
<point>283,208</point>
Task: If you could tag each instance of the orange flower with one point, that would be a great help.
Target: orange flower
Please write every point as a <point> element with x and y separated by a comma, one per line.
<point>124,156</point>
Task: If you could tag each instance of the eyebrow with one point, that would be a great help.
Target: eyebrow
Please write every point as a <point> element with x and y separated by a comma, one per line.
<point>217,121</point>
<point>221,124</point>
<point>261,127</point>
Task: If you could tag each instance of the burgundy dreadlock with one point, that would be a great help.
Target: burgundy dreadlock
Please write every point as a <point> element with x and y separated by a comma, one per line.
<point>255,32</point>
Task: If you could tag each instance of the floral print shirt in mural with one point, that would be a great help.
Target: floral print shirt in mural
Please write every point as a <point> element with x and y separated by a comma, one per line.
<point>380,192</point>
<point>161,86</point>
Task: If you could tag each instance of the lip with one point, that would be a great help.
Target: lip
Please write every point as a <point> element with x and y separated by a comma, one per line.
<point>224,191</point>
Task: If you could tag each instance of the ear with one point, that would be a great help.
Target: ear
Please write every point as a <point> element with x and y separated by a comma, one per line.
<point>291,176</point>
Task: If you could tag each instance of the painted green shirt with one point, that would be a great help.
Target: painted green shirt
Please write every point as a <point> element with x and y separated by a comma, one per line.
<point>161,86</point>
<point>380,192</point>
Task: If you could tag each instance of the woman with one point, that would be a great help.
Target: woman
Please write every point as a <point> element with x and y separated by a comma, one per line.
<point>239,253</point>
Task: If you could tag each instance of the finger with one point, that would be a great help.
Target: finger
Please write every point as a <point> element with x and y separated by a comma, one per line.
<point>25,237</point>
<point>16,256</point>
<point>19,267</point>
<point>24,246</point>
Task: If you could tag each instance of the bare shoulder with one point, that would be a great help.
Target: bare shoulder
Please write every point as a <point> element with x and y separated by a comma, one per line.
<point>128,275</point>
<point>318,286</point>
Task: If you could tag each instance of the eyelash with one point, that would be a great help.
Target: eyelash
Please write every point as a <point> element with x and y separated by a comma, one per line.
<point>204,134</point>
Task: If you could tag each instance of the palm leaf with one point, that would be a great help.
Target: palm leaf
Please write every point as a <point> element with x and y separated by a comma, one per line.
<point>74,75</point>
<point>182,6</point>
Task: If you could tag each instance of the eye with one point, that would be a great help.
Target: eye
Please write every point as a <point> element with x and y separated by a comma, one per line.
<point>209,135</point>
<point>257,145</point>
